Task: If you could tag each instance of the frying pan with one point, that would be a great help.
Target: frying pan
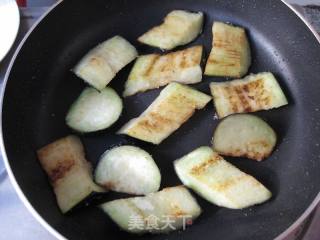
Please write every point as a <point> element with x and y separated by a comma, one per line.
<point>40,88</point>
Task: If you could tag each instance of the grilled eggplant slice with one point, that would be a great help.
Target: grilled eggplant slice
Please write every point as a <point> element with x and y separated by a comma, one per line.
<point>253,93</point>
<point>230,54</point>
<point>174,106</point>
<point>244,135</point>
<point>179,28</point>
<point>153,212</point>
<point>68,170</point>
<point>154,70</point>
<point>94,110</point>
<point>218,181</point>
<point>100,65</point>
<point>128,169</point>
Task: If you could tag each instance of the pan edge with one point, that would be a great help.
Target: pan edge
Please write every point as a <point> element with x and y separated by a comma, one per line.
<point>12,178</point>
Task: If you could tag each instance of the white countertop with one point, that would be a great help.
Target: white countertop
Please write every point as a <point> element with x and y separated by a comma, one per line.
<point>16,221</point>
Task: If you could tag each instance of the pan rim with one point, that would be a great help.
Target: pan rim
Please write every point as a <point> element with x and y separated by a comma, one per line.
<point>12,178</point>
<point>23,197</point>
<point>316,201</point>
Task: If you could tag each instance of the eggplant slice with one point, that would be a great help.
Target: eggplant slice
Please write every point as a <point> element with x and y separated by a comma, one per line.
<point>101,64</point>
<point>128,169</point>
<point>230,54</point>
<point>155,70</point>
<point>174,106</point>
<point>69,172</point>
<point>179,28</point>
<point>160,212</point>
<point>218,181</point>
<point>253,93</point>
<point>244,135</point>
<point>94,110</point>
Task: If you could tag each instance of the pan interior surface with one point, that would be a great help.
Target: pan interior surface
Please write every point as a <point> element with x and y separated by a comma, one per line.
<point>41,87</point>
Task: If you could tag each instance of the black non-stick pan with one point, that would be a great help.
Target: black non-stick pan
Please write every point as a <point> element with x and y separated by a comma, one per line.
<point>40,88</point>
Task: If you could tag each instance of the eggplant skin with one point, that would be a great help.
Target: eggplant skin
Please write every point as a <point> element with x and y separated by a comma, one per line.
<point>70,174</point>
<point>174,106</point>
<point>179,28</point>
<point>101,64</point>
<point>135,215</point>
<point>218,181</point>
<point>253,93</point>
<point>244,135</point>
<point>155,70</point>
<point>230,55</point>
